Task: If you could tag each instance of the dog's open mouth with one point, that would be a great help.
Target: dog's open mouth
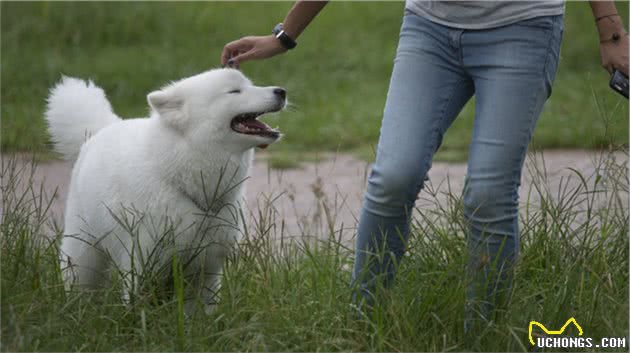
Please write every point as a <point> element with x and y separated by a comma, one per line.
<point>248,124</point>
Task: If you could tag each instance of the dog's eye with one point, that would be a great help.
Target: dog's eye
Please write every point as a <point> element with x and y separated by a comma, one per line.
<point>235,91</point>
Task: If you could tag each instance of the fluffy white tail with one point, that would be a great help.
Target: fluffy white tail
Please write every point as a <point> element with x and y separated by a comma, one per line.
<point>76,111</point>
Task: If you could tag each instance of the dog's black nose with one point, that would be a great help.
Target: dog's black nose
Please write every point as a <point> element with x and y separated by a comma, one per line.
<point>280,92</point>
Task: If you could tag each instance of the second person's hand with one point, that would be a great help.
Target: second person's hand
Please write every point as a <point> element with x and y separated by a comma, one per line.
<point>250,48</point>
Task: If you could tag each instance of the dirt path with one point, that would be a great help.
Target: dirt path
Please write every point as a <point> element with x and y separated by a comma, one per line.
<point>327,195</point>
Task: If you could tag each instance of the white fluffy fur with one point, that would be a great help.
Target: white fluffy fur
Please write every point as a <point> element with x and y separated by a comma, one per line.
<point>76,110</point>
<point>180,169</point>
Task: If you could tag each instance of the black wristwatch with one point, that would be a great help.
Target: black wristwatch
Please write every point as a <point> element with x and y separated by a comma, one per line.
<point>284,38</point>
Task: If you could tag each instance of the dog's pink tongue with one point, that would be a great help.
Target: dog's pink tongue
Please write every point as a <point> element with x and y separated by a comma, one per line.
<point>256,124</point>
<point>263,146</point>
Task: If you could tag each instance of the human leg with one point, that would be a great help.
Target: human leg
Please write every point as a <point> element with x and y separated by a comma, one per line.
<point>513,68</point>
<point>428,88</point>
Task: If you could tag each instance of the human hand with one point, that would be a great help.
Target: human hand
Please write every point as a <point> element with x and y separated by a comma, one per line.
<point>250,48</point>
<point>613,39</point>
<point>614,54</point>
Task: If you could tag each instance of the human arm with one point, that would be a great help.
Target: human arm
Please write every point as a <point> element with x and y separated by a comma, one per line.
<point>613,38</point>
<point>262,47</point>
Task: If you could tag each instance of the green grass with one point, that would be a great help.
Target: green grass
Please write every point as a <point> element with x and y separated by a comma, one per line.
<point>337,79</point>
<point>296,297</point>
<point>574,258</point>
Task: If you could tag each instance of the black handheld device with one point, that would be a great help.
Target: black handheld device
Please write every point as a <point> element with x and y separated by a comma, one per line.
<point>619,83</point>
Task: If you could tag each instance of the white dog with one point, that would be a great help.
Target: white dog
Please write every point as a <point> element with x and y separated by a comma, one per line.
<point>145,191</point>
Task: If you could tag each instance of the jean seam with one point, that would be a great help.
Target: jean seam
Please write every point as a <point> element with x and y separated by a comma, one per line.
<point>547,59</point>
<point>432,150</point>
<point>461,50</point>
<point>530,115</point>
<point>545,71</point>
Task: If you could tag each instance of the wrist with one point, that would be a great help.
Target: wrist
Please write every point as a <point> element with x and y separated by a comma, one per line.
<point>278,47</point>
<point>283,37</point>
<point>608,26</point>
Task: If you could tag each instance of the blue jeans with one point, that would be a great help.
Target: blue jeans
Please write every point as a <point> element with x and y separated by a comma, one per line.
<point>437,69</point>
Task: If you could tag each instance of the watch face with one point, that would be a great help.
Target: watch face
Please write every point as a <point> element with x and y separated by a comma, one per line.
<point>277,29</point>
<point>286,41</point>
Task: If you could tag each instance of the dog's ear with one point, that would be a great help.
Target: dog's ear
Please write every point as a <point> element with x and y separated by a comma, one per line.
<point>169,107</point>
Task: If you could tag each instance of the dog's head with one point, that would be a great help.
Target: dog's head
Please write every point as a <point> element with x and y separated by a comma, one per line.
<point>219,106</point>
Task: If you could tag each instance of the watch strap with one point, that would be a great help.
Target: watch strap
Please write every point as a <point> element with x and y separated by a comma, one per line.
<point>283,37</point>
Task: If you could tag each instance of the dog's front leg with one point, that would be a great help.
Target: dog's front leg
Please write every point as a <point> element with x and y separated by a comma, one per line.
<point>215,238</point>
<point>130,271</point>
<point>204,281</point>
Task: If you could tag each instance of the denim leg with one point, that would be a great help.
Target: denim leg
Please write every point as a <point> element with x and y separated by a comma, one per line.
<point>513,68</point>
<point>428,89</point>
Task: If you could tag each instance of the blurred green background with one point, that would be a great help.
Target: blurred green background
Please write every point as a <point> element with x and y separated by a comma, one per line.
<point>337,77</point>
